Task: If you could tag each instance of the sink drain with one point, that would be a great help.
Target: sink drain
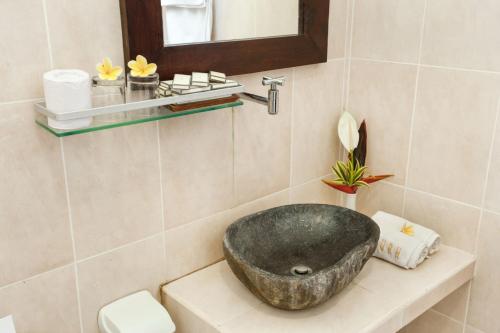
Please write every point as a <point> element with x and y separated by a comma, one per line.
<point>301,270</point>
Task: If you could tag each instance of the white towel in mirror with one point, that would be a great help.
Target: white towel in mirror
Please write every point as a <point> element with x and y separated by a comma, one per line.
<point>187,21</point>
<point>184,3</point>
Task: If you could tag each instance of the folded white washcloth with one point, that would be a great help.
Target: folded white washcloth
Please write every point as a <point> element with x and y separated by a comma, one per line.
<point>391,222</point>
<point>400,249</point>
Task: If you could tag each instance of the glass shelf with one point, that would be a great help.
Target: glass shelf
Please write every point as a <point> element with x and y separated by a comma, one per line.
<point>128,118</point>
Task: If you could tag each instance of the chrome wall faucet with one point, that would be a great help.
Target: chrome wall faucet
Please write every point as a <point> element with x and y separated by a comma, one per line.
<point>272,99</point>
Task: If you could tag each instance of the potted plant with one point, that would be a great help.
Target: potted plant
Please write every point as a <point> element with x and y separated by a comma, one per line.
<point>351,175</point>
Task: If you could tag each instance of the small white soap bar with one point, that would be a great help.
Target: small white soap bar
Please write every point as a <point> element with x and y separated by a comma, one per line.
<point>228,84</point>
<point>181,81</point>
<point>217,77</point>
<point>7,325</point>
<point>199,79</point>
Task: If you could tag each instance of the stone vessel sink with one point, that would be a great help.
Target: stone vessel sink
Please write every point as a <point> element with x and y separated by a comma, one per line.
<point>298,256</point>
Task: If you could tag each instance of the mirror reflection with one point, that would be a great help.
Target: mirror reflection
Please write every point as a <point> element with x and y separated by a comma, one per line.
<point>204,21</point>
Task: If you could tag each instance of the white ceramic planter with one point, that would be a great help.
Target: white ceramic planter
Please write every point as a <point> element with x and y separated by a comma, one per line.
<point>350,201</point>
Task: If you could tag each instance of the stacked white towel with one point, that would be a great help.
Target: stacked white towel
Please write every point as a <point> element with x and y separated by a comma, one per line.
<point>404,243</point>
<point>187,21</point>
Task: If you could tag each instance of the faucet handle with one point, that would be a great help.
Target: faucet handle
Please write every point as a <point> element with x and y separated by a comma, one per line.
<point>273,82</point>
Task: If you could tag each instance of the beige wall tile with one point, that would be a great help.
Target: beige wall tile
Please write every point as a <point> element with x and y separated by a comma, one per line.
<point>485,296</point>
<point>204,237</point>
<point>432,321</point>
<point>456,223</point>
<point>315,191</point>
<point>380,196</point>
<point>462,34</point>
<point>455,305</point>
<point>270,201</point>
<point>114,186</point>
<point>34,219</point>
<point>108,277</point>
<point>317,103</point>
<point>492,201</point>
<point>193,246</point>
<point>383,95</point>
<point>262,141</point>
<point>470,329</point>
<point>452,129</point>
<point>46,303</point>
<point>82,33</point>
<point>337,28</point>
<point>24,49</point>
<point>234,19</point>
<point>240,19</point>
<point>387,30</point>
<point>276,18</point>
<point>197,166</point>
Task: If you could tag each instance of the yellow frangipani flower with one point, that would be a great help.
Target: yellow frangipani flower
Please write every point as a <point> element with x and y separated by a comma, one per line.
<point>140,67</point>
<point>407,229</point>
<point>107,71</point>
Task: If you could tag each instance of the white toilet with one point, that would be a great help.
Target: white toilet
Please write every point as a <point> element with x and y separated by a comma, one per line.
<point>139,312</point>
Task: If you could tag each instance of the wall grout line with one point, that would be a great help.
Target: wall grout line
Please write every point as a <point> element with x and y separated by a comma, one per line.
<point>79,261</point>
<point>349,24</point>
<point>414,109</point>
<point>250,202</point>
<point>234,196</point>
<point>446,316</point>
<point>162,197</point>
<point>449,68</point>
<point>467,302</point>
<point>489,211</point>
<point>347,40</point>
<point>292,133</point>
<point>385,61</point>
<point>22,101</point>
<point>35,276</point>
<point>47,30</point>
<point>349,55</point>
<point>483,203</point>
<point>488,170</point>
<point>350,17</point>
<point>72,232</point>
<point>410,189</point>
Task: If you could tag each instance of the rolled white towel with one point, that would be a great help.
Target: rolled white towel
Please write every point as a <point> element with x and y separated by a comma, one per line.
<point>400,249</point>
<point>391,222</point>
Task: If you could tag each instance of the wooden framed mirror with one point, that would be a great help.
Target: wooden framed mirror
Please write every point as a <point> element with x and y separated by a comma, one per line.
<point>143,26</point>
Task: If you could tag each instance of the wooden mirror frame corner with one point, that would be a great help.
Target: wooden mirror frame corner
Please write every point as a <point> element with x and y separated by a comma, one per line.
<point>142,27</point>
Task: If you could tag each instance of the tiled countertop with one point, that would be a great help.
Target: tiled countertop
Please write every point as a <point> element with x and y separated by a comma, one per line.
<point>383,298</point>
